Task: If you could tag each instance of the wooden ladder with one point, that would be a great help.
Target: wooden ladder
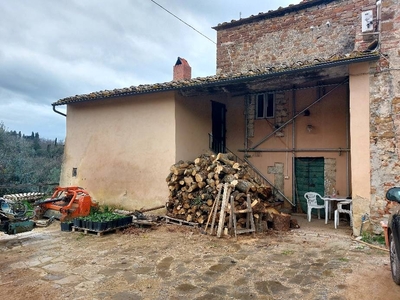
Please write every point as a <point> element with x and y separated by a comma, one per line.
<point>250,227</point>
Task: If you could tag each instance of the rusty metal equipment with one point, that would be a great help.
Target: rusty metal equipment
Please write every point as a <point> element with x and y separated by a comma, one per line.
<point>65,204</point>
<point>13,217</point>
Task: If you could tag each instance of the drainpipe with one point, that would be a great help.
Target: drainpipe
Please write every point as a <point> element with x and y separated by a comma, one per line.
<point>59,112</point>
<point>378,19</point>
<point>348,146</point>
<point>295,200</point>
<point>246,120</point>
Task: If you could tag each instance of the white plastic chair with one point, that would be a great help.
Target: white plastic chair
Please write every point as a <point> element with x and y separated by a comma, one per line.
<point>340,209</point>
<point>311,198</point>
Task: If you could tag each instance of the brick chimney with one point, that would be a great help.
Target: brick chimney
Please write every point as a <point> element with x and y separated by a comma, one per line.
<point>182,70</point>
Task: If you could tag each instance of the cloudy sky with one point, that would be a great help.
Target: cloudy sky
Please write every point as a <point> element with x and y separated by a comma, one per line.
<point>55,49</point>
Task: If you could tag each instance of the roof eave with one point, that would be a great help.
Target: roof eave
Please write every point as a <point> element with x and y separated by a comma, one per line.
<point>228,80</point>
<point>272,14</point>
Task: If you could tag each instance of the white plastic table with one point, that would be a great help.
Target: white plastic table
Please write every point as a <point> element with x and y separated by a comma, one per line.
<point>328,205</point>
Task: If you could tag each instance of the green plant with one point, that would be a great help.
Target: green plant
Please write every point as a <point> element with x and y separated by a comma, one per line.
<point>287,252</point>
<point>373,238</point>
<point>196,201</point>
<point>29,208</point>
<point>80,236</point>
<point>103,214</point>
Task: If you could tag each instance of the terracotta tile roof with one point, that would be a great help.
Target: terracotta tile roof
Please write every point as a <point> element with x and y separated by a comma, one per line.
<point>223,79</point>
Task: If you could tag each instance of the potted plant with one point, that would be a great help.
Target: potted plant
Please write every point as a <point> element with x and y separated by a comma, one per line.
<point>66,226</point>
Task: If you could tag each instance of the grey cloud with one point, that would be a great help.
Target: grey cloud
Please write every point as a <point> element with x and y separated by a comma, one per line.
<point>55,49</point>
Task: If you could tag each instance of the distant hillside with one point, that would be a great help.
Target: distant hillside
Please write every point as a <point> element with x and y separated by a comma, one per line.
<point>27,162</point>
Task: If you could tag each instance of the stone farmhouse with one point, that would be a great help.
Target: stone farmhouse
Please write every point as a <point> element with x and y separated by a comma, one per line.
<point>309,95</point>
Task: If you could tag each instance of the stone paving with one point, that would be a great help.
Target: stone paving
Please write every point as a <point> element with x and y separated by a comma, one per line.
<point>175,262</point>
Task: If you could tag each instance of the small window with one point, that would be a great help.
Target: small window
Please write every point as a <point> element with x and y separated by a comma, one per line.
<point>265,106</point>
<point>74,172</point>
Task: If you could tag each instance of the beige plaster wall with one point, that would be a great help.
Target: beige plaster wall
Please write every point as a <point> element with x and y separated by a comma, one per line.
<point>193,124</point>
<point>235,122</point>
<point>330,125</point>
<point>360,141</point>
<point>122,149</point>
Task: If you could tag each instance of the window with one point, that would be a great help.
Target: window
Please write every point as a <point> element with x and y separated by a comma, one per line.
<point>74,172</point>
<point>265,105</point>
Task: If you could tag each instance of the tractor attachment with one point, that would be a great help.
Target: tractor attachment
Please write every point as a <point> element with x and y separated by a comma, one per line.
<point>66,204</point>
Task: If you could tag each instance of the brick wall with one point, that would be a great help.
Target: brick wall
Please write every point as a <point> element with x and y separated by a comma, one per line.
<point>296,36</point>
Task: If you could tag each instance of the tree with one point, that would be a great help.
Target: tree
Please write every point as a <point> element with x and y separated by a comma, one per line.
<point>23,162</point>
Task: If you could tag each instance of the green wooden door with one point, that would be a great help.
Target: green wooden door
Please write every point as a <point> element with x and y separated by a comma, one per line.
<point>309,172</point>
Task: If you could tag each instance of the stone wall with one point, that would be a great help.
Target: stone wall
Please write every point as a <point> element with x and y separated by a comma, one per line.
<point>385,115</point>
<point>300,35</point>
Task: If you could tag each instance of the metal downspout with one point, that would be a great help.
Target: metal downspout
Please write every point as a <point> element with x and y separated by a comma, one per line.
<point>246,123</point>
<point>295,200</point>
<point>348,145</point>
<point>59,112</point>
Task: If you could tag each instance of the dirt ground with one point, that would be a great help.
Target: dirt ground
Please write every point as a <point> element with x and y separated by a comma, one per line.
<point>179,262</point>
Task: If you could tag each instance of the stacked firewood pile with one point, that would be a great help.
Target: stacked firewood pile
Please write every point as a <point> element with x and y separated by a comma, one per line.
<point>193,187</point>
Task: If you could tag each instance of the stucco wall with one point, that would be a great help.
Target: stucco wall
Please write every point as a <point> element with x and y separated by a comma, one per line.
<point>330,130</point>
<point>193,124</point>
<point>122,149</point>
<point>359,124</point>
<point>235,122</point>
<point>291,37</point>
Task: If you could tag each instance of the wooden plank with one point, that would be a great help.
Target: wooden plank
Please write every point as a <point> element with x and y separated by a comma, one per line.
<point>216,208</point>
<point>209,216</point>
<point>169,220</point>
<point>222,213</point>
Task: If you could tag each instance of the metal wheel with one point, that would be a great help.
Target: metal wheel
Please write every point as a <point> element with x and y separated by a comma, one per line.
<point>394,261</point>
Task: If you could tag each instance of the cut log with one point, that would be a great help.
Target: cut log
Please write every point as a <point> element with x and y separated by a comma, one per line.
<point>281,222</point>
<point>177,170</point>
<point>236,166</point>
<point>168,179</point>
<point>225,158</point>
<point>234,182</point>
<point>244,186</point>
<point>193,186</point>
<point>206,196</point>
<point>218,169</point>
<point>228,178</point>
<point>188,180</point>
<point>200,176</point>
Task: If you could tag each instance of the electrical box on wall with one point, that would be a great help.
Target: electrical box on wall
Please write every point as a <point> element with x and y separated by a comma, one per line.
<point>367,21</point>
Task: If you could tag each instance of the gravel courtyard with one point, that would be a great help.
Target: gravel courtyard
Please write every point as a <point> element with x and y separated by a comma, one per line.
<point>178,262</point>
